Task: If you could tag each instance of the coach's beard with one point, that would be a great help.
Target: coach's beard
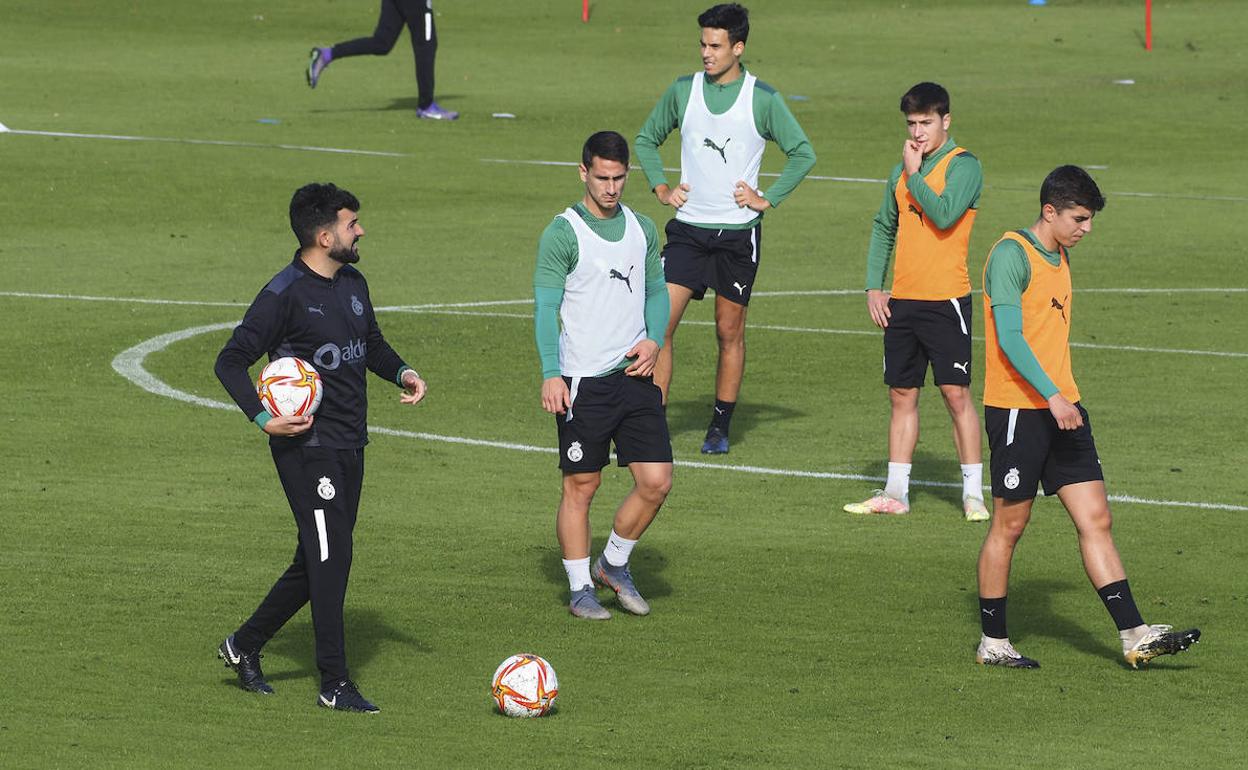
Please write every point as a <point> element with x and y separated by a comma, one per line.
<point>347,256</point>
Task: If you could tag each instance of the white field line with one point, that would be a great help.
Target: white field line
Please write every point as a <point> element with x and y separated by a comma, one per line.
<point>386,154</point>
<point>869,333</point>
<point>564,163</point>
<point>124,300</point>
<point>1115,290</point>
<point>210,142</point>
<point>454,308</point>
<point>500,302</point>
<point>129,364</point>
<point>207,303</point>
<point>870,180</point>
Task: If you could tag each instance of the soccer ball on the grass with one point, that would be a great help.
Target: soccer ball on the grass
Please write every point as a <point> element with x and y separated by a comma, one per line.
<point>525,686</point>
<point>289,386</point>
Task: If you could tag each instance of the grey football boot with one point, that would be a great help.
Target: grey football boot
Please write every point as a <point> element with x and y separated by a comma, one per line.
<point>620,580</point>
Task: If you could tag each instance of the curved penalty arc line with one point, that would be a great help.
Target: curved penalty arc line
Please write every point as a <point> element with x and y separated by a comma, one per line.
<point>129,363</point>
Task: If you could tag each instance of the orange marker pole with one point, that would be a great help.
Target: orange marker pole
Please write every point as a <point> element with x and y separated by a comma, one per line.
<point>585,10</point>
<point>1148,25</point>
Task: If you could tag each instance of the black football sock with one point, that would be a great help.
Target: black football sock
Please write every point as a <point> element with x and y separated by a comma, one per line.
<point>1121,605</point>
<point>992,617</point>
<point>722,416</point>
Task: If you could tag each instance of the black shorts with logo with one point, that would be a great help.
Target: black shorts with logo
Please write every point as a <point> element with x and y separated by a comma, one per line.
<point>619,408</point>
<point>922,332</point>
<point>1027,448</point>
<point>699,258</point>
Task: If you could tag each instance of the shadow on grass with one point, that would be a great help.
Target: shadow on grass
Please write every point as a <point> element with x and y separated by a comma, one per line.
<point>939,466</point>
<point>646,565</point>
<point>402,104</point>
<point>694,415</point>
<point>1031,614</point>
<point>367,631</point>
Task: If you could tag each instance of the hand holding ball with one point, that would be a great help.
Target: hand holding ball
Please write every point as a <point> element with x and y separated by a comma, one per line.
<point>289,387</point>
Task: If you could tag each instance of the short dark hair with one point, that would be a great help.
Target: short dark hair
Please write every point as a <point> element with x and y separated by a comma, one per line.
<point>607,145</point>
<point>315,206</point>
<point>1069,186</point>
<point>926,97</point>
<point>734,18</point>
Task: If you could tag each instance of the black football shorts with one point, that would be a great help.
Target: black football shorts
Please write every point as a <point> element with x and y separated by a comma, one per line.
<point>1028,449</point>
<point>616,407</point>
<point>922,332</point>
<point>699,258</point>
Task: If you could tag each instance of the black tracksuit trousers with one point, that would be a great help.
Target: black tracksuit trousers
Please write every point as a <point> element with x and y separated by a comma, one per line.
<point>418,15</point>
<point>323,488</point>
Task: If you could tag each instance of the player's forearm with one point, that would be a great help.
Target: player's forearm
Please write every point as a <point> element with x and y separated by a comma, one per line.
<point>651,163</point>
<point>878,255</point>
<point>962,187</point>
<point>251,339</point>
<point>231,369</point>
<point>801,161</point>
<point>779,125</point>
<point>658,310</point>
<point>883,239</point>
<point>1009,320</point>
<point>663,118</point>
<point>546,303</point>
<point>381,359</point>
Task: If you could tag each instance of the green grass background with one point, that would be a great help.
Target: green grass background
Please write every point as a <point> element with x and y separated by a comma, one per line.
<point>139,530</point>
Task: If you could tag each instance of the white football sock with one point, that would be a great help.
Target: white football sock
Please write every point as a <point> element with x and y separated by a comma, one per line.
<point>578,573</point>
<point>973,480</point>
<point>898,484</point>
<point>1130,636</point>
<point>617,550</point>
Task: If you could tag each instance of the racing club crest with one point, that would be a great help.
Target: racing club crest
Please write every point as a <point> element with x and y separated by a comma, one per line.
<point>326,488</point>
<point>1011,479</point>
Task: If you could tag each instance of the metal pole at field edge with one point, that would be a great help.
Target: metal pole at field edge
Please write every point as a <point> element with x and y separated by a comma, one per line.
<point>585,10</point>
<point>1148,25</point>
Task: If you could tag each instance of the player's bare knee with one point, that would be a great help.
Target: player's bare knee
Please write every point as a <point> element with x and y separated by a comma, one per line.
<point>903,398</point>
<point>730,334</point>
<point>1098,521</point>
<point>653,487</point>
<point>655,490</point>
<point>580,487</point>
<point>1008,529</point>
<point>957,398</point>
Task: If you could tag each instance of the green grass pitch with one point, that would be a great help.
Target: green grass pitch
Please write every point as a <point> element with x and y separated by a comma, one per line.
<point>139,529</point>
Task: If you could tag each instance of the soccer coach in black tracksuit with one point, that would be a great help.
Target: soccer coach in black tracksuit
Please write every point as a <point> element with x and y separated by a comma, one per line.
<point>318,309</point>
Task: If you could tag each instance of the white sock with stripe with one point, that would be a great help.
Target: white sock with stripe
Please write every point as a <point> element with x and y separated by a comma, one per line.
<point>618,550</point>
<point>898,484</point>
<point>973,480</point>
<point>578,573</point>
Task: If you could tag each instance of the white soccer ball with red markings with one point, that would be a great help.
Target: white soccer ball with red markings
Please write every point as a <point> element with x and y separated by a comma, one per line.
<point>525,686</point>
<point>289,386</point>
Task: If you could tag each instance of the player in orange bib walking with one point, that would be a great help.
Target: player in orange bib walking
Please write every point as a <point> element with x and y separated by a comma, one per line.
<point>1038,431</point>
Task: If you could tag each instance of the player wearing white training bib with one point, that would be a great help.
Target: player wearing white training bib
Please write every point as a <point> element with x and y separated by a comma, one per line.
<point>601,323</point>
<point>598,274</point>
<point>735,154</point>
<point>726,116</point>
